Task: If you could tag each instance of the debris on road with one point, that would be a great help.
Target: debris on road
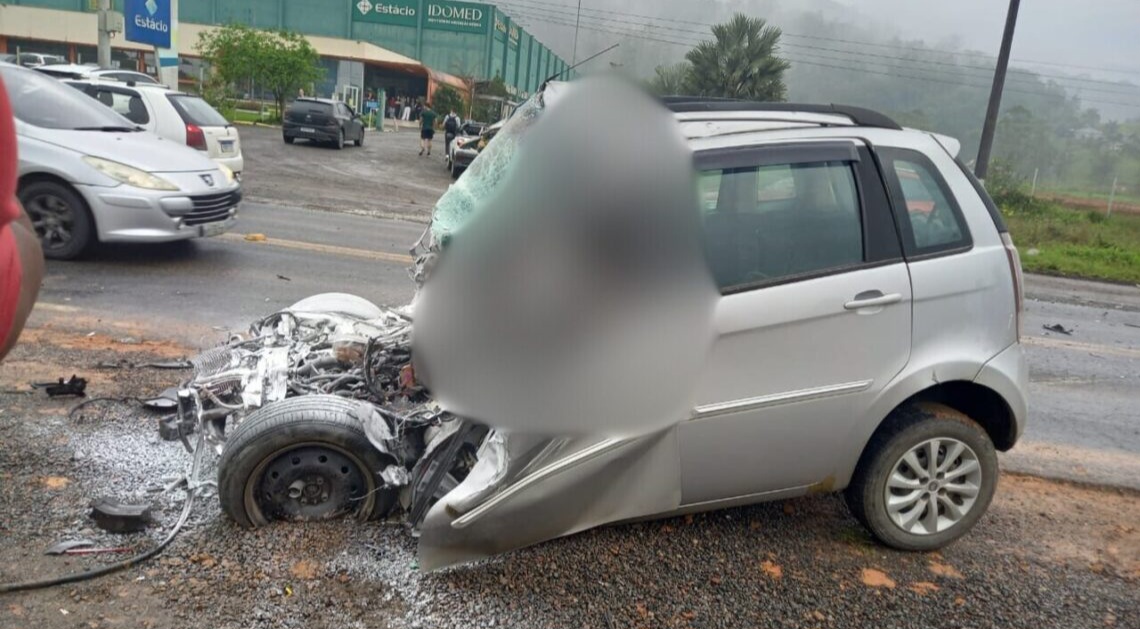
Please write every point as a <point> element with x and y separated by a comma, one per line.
<point>116,517</point>
<point>1059,329</point>
<point>75,386</point>
<point>63,547</point>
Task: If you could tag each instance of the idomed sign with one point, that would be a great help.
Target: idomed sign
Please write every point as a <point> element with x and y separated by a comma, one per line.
<point>436,14</point>
<point>513,36</point>
<point>398,12</point>
<point>456,16</point>
<point>147,22</point>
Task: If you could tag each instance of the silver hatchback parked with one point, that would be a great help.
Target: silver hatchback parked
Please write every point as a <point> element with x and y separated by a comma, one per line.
<point>89,175</point>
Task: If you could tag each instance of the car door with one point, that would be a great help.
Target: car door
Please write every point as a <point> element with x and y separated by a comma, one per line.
<point>814,318</point>
<point>355,123</point>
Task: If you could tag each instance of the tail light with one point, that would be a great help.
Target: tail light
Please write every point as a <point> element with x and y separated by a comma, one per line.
<point>195,137</point>
<point>1018,279</point>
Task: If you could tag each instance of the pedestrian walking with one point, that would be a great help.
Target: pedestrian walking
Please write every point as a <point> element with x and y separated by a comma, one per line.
<point>450,130</point>
<point>427,129</point>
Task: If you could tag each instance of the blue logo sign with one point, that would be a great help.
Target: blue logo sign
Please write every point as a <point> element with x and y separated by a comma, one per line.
<point>147,22</point>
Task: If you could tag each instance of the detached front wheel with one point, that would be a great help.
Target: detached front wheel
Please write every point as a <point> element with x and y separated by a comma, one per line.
<point>302,459</point>
<point>925,479</point>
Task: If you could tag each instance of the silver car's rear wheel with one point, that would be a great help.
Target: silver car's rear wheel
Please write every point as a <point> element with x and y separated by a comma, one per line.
<point>925,478</point>
<point>933,486</point>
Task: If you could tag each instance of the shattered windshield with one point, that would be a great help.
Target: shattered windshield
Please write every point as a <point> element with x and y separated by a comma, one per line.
<point>482,178</point>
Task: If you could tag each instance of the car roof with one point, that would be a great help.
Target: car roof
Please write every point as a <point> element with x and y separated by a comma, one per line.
<point>310,99</point>
<point>113,82</point>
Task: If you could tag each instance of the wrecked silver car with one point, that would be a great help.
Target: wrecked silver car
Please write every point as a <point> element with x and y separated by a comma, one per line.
<point>816,262</point>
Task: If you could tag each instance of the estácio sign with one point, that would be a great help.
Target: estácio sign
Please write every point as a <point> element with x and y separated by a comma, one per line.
<point>398,12</point>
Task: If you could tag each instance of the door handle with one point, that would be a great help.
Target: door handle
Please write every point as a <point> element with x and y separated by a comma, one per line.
<point>872,299</point>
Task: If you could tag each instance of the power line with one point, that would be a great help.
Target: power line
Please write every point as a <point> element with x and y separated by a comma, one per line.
<point>690,44</point>
<point>925,49</point>
<point>958,66</point>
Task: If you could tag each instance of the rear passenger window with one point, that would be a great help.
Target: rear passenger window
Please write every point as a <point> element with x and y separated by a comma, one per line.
<point>933,221</point>
<point>129,105</point>
<point>766,223</point>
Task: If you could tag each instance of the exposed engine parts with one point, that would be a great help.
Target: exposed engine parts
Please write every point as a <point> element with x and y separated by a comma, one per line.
<point>324,347</point>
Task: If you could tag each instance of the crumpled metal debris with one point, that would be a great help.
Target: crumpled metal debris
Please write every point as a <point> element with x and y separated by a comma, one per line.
<point>333,344</point>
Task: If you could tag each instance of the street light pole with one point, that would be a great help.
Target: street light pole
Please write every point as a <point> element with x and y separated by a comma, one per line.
<point>577,22</point>
<point>104,50</point>
<point>981,169</point>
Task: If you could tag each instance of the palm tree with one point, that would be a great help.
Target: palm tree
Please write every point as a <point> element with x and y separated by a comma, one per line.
<point>740,63</point>
<point>670,80</point>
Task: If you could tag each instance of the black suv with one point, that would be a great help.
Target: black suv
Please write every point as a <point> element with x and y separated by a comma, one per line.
<point>322,120</point>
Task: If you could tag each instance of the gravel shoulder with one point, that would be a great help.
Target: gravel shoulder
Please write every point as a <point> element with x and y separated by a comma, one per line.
<point>1049,554</point>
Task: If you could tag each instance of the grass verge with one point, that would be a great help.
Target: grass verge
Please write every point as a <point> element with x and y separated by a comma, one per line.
<point>1058,240</point>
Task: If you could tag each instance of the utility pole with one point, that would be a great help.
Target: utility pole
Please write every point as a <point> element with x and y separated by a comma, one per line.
<point>983,164</point>
<point>104,56</point>
<point>577,22</point>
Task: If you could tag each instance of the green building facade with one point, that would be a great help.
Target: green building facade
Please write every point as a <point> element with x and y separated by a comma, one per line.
<point>458,38</point>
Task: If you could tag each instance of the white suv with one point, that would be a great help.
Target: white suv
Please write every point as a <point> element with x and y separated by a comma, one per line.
<point>184,118</point>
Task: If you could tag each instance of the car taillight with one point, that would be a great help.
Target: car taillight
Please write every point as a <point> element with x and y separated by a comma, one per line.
<point>1018,279</point>
<point>195,137</point>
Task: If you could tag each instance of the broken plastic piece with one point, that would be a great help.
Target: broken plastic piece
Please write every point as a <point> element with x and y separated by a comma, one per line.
<point>116,517</point>
<point>75,386</point>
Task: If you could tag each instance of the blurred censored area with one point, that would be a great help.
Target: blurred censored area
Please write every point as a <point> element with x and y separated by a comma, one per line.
<point>579,301</point>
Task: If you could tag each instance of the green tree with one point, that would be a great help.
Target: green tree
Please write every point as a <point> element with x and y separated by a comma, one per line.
<point>288,63</point>
<point>446,99</point>
<point>671,80</point>
<point>281,62</point>
<point>740,63</point>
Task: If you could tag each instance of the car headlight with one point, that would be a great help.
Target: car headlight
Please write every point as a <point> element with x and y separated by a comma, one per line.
<point>128,174</point>
<point>227,171</point>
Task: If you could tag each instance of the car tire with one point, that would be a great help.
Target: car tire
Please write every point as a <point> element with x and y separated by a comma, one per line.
<point>302,459</point>
<point>61,218</point>
<point>289,139</point>
<point>339,144</point>
<point>963,453</point>
<point>360,142</point>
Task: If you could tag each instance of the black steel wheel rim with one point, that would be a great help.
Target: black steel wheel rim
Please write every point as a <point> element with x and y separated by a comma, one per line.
<point>310,482</point>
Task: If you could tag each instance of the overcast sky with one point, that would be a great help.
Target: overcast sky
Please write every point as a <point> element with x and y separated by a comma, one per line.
<point>1100,33</point>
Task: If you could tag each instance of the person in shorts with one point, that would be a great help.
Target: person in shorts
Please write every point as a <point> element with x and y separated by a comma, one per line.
<point>427,128</point>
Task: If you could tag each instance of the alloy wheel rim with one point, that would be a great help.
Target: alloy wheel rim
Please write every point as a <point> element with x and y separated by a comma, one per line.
<point>53,219</point>
<point>933,486</point>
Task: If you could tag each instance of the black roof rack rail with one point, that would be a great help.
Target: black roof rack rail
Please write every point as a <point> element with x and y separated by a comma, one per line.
<point>859,115</point>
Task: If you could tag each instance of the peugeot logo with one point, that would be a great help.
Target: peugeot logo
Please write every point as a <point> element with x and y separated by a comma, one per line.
<point>209,179</point>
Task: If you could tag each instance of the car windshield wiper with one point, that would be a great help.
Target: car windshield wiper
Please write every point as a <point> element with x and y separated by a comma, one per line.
<point>109,128</point>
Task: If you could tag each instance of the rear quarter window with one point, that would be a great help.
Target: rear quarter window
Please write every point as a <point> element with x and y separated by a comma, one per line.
<point>930,219</point>
<point>196,111</point>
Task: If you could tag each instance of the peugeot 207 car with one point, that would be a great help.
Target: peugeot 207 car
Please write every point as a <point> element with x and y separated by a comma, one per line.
<point>88,175</point>
<point>322,120</point>
<point>865,339</point>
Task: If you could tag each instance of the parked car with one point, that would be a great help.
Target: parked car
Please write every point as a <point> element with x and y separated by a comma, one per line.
<point>87,174</point>
<point>93,71</point>
<point>853,350</point>
<point>37,59</point>
<point>465,149</point>
<point>178,116</point>
<point>7,58</point>
<point>322,120</point>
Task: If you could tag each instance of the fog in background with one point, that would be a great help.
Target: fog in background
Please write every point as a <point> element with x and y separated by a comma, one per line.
<point>1071,111</point>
